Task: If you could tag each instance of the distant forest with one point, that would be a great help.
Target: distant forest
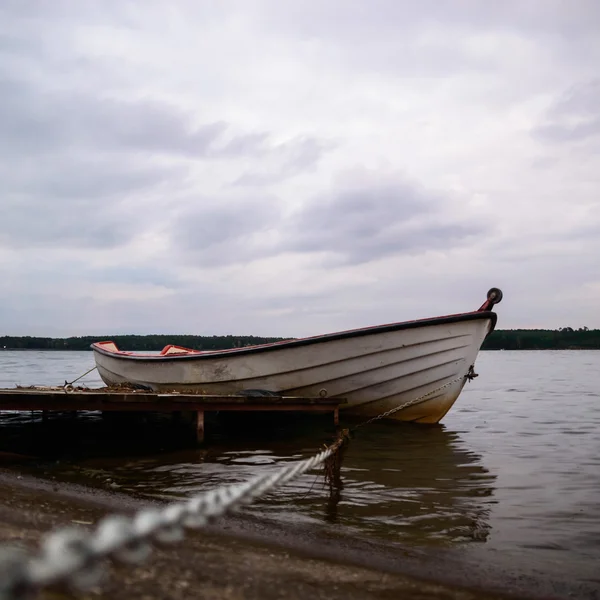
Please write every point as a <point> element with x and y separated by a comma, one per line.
<point>565,338</point>
<point>135,342</point>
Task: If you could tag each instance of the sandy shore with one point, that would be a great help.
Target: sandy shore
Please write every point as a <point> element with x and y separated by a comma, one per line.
<point>242,558</point>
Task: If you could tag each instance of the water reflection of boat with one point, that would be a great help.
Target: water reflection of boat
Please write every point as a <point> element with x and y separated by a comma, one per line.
<point>374,368</point>
<point>422,486</point>
<point>412,485</point>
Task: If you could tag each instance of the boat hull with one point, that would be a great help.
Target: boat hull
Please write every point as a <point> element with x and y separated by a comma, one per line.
<point>374,369</point>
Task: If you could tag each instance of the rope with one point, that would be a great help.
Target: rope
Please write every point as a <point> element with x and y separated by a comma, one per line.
<point>69,385</point>
<point>76,557</point>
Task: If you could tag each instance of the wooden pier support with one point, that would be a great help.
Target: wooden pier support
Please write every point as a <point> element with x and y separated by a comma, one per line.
<point>200,426</point>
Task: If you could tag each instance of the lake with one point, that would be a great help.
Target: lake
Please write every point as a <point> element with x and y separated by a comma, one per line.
<point>511,477</point>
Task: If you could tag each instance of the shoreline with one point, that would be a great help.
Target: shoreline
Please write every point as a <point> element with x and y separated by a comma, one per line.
<point>264,559</point>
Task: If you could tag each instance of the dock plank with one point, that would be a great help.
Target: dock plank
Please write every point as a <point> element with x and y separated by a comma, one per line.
<point>47,399</point>
<point>59,399</point>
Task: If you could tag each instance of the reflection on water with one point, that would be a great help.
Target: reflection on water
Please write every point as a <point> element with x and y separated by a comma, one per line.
<point>512,475</point>
<point>399,482</point>
<point>418,485</point>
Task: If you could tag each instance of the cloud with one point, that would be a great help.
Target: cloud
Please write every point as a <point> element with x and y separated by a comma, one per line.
<point>40,123</point>
<point>87,170</point>
<point>234,229</point>
<point>68,201</point>
<point>574,117</point>
<point>293,157</point>
<point>284,169</point>
<point>364,217</point>
<point>375,217</point>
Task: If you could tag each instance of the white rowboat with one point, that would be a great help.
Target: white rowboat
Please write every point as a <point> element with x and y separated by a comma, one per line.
<point>375,368</point>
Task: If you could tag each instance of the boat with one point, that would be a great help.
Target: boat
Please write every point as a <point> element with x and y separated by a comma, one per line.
<point>423,363</point>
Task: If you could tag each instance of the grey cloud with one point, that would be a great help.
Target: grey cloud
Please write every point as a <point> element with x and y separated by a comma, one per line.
<point>574,116</point>
<point>82,159</point>
<point>65,178</point>
<point>373,221</point>
<point>34,121</point>
<point>245,144</point>
<point>408,38</point>
<point>38,12</point>
<point>313,16</point>
<point>581,99</point>
<point>291,158</point>
<point>354,18</point>
<point>217,232</point>
<point>141,275</point>
<point>59,188</point>
<point>557,132</point>
<point>69,202</point>
<point>149,127</point>
<point>588,232</point>
<point>69,159</point>
<point>60,226</point>
<point>14,45</point>
<point>25,122</point>
<point>355,225</point>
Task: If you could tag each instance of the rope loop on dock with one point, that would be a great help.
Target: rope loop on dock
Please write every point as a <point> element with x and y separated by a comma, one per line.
<point>68,386</point>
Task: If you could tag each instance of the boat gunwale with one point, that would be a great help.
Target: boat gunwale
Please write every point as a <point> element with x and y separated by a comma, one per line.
<point>295,343</point>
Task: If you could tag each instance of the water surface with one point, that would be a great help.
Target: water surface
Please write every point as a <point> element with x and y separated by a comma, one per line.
<point>511,476</point>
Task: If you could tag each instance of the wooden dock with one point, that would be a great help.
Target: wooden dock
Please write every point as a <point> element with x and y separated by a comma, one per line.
<point>48,399</point>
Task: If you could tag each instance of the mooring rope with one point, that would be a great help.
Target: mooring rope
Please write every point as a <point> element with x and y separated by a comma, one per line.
<point>68,386</point>
<point>76,556</point>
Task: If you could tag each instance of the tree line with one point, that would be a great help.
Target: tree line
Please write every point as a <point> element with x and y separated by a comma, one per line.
<point>565,338</point>
<point>135,342</point>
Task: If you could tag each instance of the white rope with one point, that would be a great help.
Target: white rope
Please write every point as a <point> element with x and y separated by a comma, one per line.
<point>76,557</point>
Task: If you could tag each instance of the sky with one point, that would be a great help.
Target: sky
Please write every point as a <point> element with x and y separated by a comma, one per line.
<point>265,167</point>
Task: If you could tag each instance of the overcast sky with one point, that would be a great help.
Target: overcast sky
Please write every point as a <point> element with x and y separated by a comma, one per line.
<point>277,167</point>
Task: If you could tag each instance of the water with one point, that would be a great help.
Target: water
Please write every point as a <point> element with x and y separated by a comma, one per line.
<point>512,476</point>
